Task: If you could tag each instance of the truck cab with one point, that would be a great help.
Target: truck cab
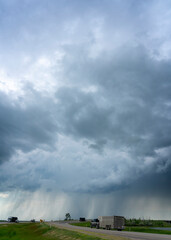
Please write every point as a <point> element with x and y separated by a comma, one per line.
<point>95,223</point>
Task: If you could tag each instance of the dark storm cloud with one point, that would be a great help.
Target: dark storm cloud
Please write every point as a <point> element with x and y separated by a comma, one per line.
<point>129,111</point>
<point>131,106</point>
<point>80,114</point>
<point>118,104</point>
<point>25,128</point>
<point>155,184</point>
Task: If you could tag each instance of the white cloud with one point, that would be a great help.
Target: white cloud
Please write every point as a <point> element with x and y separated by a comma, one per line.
<point>10,84</point>
<point>4,195</point>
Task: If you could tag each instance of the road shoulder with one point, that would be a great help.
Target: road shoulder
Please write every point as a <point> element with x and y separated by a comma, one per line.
<point>87,231</point>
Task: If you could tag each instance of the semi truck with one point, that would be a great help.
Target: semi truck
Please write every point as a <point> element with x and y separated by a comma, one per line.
<point>13,219</point>
<point>112,222</point>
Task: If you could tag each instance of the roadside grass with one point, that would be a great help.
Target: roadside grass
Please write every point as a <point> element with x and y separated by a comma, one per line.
<point>133,222</point>
<point>146,230</point>
<point>90,234</point>
<point>58,233</point>
<point>41,231</point>
<point>143,229</point>
<point>27,231</point>
<point>82,224</point>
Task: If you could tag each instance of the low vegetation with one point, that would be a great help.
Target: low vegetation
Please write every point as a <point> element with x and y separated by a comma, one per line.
<point>22,231</point>
<point>82,224</point>
<point>133,222</point>
<point>147,230</point>
<point>139,225</point>
<point>37,231</point>
<point>146,222</point>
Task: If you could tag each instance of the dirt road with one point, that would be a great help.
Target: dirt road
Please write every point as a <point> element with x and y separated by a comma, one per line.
<point>127,235</point>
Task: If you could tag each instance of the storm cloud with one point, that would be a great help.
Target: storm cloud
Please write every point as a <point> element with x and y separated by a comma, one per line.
<point>85,106</point>
<point>24,128</point>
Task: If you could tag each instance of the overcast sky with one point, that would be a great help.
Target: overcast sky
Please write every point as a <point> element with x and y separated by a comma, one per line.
<point>85,108</point>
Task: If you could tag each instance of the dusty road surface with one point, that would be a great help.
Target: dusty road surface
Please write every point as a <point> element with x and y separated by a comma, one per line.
<point>111,234</point>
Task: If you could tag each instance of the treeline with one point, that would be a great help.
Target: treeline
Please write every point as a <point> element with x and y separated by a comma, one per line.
<point>145,222</point>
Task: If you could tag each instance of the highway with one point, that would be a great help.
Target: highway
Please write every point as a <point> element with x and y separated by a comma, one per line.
<point>127,235</point>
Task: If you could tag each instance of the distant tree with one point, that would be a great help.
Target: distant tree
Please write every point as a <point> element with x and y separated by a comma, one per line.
<point>67,216</point>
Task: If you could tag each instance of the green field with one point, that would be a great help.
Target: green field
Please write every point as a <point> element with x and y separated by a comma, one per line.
<point>133,222</point>
<point>37,231</point>
<point>81,224</point>
<point>145,229</point>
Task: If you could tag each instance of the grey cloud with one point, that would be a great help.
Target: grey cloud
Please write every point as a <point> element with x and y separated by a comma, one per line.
<point>128,113</point>
<point>130,107</point>
<point>80,115</point>
<point>155,184</point>
<point>25,128</point>
<point>98,145</point>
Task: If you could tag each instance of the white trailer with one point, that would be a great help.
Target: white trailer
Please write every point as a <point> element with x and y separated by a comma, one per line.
<point>111,222</point>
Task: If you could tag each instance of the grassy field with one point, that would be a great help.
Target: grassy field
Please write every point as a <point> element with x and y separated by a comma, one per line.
<point>81,224</point>
<point>146,230</point>
<point>37,231</point>
<point>146,223</point>
<point>131,228</point>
